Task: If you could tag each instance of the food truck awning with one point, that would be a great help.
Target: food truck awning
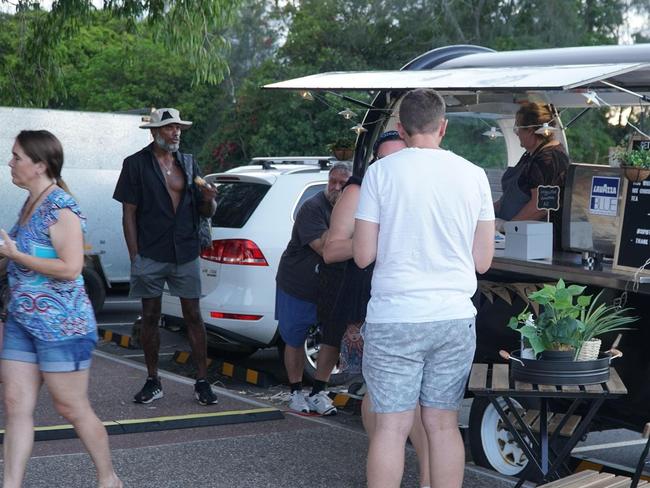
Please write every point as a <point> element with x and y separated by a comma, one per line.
<point>519,78</point>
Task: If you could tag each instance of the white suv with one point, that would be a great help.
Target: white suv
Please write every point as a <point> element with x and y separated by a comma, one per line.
<point>256,208</point>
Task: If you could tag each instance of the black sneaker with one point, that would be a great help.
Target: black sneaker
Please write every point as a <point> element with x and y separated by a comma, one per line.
<point>152,390</point>
<point>203,393</point>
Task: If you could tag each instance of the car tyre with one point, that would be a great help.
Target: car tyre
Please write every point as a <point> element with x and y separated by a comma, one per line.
<point>491,444</point>
<point>311,348</point>
<point>95,288</point>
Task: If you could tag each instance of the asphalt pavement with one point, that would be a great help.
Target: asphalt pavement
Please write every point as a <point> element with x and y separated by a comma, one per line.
<point>247,440</point>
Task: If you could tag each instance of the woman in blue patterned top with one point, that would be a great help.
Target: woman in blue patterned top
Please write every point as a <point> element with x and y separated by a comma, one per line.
<point>50,329</point>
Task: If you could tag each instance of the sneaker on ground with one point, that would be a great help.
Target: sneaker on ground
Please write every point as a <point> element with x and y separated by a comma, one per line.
<point>321,403</point>
<point>152,390</point>
<point>297,402</point>
<point>204,393</point>
<point>357,390</point>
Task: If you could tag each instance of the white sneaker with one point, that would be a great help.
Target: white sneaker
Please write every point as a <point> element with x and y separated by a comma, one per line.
<point>321,403</point>
<point>297,402</point>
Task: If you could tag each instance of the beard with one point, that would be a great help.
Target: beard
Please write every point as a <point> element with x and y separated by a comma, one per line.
<point>164,145</point>
<point>332,196</point>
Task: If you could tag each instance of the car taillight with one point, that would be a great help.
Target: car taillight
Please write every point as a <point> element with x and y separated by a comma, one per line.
<point>235,251</point>
<point>234,316</point>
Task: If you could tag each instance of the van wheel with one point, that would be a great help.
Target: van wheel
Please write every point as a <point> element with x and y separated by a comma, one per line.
<point>491,444</point>
<point>311,348</point>
<point>95,288</point>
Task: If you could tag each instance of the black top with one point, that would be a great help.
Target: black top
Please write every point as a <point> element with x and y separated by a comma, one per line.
<point>298,269</point>
<point>163,235</point>
<point>354,294</point>
<point>546,166</point>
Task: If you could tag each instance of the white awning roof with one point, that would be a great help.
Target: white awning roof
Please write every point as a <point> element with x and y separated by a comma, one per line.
<point>518,78</point>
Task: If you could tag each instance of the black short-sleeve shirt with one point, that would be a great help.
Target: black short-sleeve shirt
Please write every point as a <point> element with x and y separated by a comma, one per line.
<point>298,269</point>
<point>547,166</point>
<point>163,235</point>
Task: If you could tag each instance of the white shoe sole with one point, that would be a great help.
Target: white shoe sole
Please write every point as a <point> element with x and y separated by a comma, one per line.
<point>157,396</point>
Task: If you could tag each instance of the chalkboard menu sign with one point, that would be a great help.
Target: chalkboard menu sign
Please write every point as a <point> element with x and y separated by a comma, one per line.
<point>640,143</point>
<point>548,197</point>
<point>633,245</point>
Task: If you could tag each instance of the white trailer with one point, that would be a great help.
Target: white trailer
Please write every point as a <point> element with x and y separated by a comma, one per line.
<point>94,146</point>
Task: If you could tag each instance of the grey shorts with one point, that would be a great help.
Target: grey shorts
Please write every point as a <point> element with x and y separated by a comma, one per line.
<point>148,278</point>
<point>407,362</point>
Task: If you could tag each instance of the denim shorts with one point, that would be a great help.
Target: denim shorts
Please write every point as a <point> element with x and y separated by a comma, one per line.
<point>62,356</point>
<point>429,362</point>
<point>295,317</point>
<point>148,278</point>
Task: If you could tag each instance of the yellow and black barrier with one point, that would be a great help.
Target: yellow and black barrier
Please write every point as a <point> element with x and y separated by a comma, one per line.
<point>343,400</point>
<point>234,371</point>
<point>121,340</point>
<point>137,426</point>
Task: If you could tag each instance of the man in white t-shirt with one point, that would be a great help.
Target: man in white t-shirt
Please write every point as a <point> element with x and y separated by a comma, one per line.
<point>426,217</point>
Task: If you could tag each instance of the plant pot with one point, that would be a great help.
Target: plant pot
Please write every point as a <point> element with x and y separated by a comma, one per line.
<point>634,173</point>
<point>343,153</point>
<point>558,355</point>
<point>543,372</point>
<point>589,350</point>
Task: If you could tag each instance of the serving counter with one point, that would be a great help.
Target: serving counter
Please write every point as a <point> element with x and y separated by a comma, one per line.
<point>565,265</point>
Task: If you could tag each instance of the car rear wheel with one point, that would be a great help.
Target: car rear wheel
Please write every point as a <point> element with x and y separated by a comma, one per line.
<point>311,349</point>
<point>95,288</point>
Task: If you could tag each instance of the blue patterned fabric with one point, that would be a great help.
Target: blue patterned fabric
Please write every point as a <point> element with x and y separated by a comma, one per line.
<point>48,308</point>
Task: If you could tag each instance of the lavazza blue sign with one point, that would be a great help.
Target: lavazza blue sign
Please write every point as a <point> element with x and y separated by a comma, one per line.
<point>604,195</point>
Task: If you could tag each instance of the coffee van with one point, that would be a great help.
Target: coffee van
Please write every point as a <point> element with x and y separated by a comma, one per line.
<point>482,89</point>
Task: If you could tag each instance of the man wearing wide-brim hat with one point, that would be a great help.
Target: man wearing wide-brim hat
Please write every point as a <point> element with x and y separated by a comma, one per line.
<point>163,199</point>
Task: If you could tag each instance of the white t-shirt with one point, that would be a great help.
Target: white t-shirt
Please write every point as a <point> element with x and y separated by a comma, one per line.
<point>427,203</point>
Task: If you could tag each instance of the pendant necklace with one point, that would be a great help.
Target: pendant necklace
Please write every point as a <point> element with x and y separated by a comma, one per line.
<point>26,214</point>
<point>168,169</point>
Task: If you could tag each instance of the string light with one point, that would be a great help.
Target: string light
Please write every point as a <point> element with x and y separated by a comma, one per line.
<point>306,95</point>
<point>592,98</point>
<point>359,129</point>
<point>347,114</point>
<point>546,130</point>
<point>493,133</point>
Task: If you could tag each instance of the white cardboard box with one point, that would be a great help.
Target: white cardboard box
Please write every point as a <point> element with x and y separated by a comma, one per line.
<point>528,239</point>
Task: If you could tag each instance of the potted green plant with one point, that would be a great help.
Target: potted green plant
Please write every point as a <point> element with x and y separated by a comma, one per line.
<point>343,147</point>
<point>567,320</point>
<point>635,164</point>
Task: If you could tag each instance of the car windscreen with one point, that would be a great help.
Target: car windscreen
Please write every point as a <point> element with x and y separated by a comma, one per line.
<point>236,202</point>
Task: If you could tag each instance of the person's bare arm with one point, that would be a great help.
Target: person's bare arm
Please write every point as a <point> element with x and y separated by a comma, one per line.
<point>483,245</point>
<point>130,228</point>
<point>338,246</point>
<point>318,244</point>
<point>364,242</point>
<point>67,240</point>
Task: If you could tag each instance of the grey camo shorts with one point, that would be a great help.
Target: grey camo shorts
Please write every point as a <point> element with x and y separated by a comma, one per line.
<point>148,278</point>
<point>429,362</point>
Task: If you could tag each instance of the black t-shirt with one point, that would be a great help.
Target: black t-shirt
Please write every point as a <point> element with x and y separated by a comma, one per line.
<point>163,235</point>
<point>298,269</point>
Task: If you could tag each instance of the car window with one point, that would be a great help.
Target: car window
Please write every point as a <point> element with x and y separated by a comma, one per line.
<point>236,202</point>
<point>307,193</point>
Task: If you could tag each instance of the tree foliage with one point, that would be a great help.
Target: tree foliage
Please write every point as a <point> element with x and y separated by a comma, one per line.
<point>193,29</point>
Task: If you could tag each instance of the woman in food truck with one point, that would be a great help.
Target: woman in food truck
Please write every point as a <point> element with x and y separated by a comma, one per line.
<point>545,162</point>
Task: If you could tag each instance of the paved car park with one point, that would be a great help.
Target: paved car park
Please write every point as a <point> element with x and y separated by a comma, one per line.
<point>286,450</point>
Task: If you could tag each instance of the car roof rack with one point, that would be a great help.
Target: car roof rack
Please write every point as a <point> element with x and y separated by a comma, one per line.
<point>268,163</point>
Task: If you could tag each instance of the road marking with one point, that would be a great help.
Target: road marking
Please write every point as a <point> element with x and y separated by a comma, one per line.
<point>121,302</point>
<point>610,445</point>
<point>114,323</point>
<point>142,355</point>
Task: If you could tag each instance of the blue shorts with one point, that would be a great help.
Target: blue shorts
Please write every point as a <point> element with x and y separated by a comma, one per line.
<point>295,317</point>
<point>61,356</point>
